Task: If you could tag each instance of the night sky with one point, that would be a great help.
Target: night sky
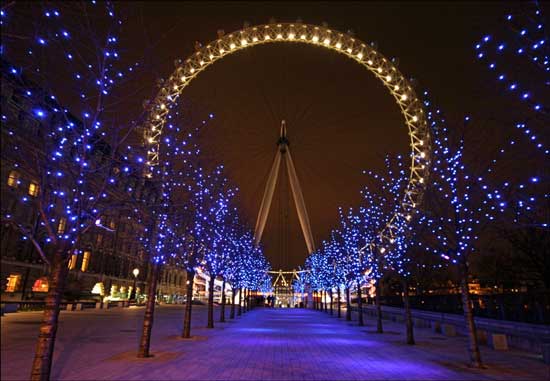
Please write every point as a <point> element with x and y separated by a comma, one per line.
<point>340,118</point>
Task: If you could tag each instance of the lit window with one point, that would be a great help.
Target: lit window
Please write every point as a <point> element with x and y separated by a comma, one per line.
<point>85,261</point>
<point>99,289</point>
<point>41,285</point>
<point>72,262</point>
<point>99,239</point>
<point>114,291</point>
<point>112,224</point>
<point>34,188</point>
<point>13,179</point>
<point>13,282</point>
<point>62,225</point>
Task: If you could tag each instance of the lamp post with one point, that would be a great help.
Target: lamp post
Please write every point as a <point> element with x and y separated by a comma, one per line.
<point>133,293</point>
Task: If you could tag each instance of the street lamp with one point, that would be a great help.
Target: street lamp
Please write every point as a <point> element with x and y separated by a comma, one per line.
<point>133,294</point>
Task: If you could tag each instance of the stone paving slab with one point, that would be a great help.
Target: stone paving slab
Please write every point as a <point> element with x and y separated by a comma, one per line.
<point>264,344</point>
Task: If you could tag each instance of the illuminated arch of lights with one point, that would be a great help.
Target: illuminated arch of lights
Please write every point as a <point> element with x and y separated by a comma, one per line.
<point>383,68</point>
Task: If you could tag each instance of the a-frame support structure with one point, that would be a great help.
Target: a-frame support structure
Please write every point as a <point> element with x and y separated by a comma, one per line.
<point>283,153</point>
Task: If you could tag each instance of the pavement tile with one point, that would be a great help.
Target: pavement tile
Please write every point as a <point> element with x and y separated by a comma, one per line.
<point>263,344</point>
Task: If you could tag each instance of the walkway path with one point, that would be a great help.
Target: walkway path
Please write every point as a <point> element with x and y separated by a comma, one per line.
<point>263,344</point>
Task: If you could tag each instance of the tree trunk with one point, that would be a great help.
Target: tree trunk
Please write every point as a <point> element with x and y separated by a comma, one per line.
<point>339,303</point>
<point>222,309</point>
<point>145,342</point>
<point>232,313</point>
<point>379,327</point>
<point>314,297</point>
<point>348,305</point>
<point>325,306</point>
<point>360,305</point>
<point>473,346</point>
<point>211,302</point>
<point>25,282</point>
<point>331,301</point>
<point>408,315</point>
<point>188,305</point>
<point>317,301</point>
<point>43,355</point>
<point>240,311</point>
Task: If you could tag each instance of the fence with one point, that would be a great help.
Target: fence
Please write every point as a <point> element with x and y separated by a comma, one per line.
<point>531,308</point>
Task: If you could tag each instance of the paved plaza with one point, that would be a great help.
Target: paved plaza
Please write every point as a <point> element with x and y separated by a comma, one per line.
<point>264,344</point>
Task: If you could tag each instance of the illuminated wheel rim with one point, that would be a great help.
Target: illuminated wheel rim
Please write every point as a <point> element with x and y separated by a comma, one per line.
<point>399,87</point>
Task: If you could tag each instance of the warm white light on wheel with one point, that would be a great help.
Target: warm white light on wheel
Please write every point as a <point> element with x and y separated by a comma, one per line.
<point>382,68</point>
